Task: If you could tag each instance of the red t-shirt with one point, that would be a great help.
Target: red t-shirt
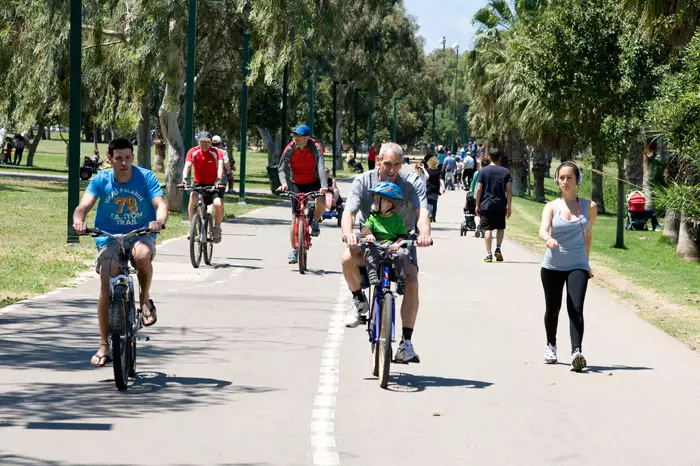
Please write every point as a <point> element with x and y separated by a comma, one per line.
<point>372,154</point>
<point>205,164</point>
<point>303,161</point>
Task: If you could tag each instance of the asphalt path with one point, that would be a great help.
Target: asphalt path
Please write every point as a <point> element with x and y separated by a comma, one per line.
<point>249,364</point>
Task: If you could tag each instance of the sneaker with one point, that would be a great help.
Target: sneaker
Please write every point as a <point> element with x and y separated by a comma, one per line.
<point>292,257</point>
<point>578,362</point>
<point>488,258</point>
<point>550,354</point>
<point>216,232</point>
<point>315,229</point>
<point>499,256</point>
<point>406,353</point>
<point>477,233</point>
<point>354,316</point>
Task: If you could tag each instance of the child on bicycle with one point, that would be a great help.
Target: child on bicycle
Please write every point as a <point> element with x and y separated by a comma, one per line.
<point>386,226</point>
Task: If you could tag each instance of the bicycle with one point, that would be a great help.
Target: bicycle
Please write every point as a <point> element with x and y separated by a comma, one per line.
<point>382,313</point>
<point>201,235</point>
<point>302,235</point>
<point>125,320</point>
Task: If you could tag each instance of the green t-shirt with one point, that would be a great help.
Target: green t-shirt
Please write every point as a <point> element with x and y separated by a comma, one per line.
<point>386,228</point>
<point>475,182</point>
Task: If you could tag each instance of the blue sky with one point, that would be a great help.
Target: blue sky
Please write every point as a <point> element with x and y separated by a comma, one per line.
<point>449,18</point>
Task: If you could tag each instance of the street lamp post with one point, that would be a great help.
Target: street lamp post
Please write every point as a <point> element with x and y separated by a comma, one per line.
<point>244,114</point>
<point>443,41</point>
<point>393,133</point>
<point>454,113</point>
<point>76,38</point>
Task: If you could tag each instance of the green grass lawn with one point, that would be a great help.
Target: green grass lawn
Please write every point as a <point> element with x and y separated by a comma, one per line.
<point>647,262</point>
<point>34,256</point>
<point>51,157</point>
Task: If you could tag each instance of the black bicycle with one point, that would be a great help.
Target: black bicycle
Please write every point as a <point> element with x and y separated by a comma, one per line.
<point>124,317</point>
<point>201,226</point>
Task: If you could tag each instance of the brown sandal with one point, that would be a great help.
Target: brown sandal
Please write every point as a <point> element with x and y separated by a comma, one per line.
<point>99,360</point>
<point>150,314</point>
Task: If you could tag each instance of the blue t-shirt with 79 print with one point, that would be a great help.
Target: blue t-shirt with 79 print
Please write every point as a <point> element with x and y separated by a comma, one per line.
<point>124,207</point>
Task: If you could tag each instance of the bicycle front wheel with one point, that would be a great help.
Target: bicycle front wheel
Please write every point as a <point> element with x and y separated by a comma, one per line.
<point>384,343</point>
<point>208,247</point>
<point>119,331</point>
<point>195,237</point>
<point>301,247</point>
<point>373,323</point>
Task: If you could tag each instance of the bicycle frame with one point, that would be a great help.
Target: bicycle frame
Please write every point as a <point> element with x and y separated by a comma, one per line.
<point>379,291</point>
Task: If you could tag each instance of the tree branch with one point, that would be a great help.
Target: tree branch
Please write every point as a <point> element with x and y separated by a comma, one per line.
<point>88,47</point>
<point>108,32</point>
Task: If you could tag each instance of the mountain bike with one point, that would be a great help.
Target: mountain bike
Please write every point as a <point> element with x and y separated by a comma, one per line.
<point>302,219</point>
<point>124,317</point>
<point>382,312</point>
<point>201,235</point>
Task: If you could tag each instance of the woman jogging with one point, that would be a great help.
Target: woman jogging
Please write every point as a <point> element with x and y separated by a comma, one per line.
<point>566,228</point>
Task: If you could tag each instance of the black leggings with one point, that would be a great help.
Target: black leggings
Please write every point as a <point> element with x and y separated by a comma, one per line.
<point>553,284</point>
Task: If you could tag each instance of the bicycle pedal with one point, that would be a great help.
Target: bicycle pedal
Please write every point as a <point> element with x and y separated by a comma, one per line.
<point>145,338</point>
<point>396,361</point>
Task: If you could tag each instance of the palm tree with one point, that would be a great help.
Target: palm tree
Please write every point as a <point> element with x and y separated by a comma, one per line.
<point>683,16</point>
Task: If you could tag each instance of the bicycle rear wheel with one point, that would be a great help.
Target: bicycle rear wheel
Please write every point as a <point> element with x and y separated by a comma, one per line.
<point>119,331</point>
<point>384,343</point>
<point>301,247</point>
<point>208,247</point>
<point>195,239</point>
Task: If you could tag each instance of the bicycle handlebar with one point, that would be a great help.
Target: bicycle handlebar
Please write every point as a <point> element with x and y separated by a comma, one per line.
<point>200,189</point>
<point>300,195</point>
<point>94,232</point>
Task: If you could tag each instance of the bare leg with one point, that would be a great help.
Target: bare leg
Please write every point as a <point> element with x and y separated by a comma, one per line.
<point>488,238</point>
<point>499,237</point>
<point>291,232</point>
<point>320,208</point>
<point>107,269</point>
<point>194,197</point>
<point>351,261</point>
<point>409,306</point>
<point>142,258</point>
<point>218,211</point>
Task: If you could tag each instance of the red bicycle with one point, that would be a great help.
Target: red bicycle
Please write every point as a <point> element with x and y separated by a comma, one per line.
<point>302,235</point>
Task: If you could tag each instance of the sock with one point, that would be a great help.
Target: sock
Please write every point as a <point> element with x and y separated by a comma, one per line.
<point>407,333</point>
<point>498,247</point>
<point>359,295</point>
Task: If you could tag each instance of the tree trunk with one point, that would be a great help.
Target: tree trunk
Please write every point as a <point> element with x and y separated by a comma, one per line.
<point>598,148</point>
<point>634,171</point>
<point>169,114</point>
<point>515,152</point>
<point>159,145</point>
<point>539,167</point>
<point>342,90</point>
<point>620,229</point>
<point>672,225</point>
<point>688,240</point>
<point>143,133</point>
<point>273,145</point>
<point>35,143</point>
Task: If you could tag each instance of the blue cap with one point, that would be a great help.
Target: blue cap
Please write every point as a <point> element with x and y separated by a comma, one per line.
<point>302,130</point>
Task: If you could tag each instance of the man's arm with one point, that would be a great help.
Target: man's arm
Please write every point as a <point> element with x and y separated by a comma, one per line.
<point>86,204</point>
<point>321,163</point>
<point>509,197</point>
<point>346,224</point>
<point>284,165</point>
<point>161,213</point>
<point>220,169</point>
<point>479,188</point>
<point>423,224</point>
<point>186,172</point>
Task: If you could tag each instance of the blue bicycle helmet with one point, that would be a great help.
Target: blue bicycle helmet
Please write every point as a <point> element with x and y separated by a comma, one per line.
<point>388,189</point>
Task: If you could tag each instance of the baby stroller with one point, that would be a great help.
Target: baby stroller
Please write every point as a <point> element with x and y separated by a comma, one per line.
<point>636,217</point>
<point>469,224</point>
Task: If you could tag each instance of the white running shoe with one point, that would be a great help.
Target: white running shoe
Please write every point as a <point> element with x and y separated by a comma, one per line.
<point>550,354</point>
<point>578,362</point>
<point>406,353</point>
<point>354,316</point>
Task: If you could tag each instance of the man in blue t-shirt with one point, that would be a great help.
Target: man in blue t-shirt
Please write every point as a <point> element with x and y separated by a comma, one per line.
<point>494,196</point>
<point>130,198</point>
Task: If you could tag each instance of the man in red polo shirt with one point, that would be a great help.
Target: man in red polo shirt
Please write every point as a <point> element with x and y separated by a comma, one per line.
<point>208,163</point>
<point>304,158</point>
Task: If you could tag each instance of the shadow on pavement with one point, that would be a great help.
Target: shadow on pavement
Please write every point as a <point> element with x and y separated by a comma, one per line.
<point>260,221</point>
<point>51,402</point>
<point>601,369</point>
<point>324,272</point>
<point>21,460</point>
<point>403,382</point>
<point>235,266</point>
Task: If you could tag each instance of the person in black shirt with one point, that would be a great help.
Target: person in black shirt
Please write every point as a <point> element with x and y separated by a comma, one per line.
<point>494,195</point>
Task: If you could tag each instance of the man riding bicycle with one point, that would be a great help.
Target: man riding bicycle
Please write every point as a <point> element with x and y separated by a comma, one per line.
<point>413,211</point>
<point>304,158</point>
<point>208,163</point>
<point>130,198</point>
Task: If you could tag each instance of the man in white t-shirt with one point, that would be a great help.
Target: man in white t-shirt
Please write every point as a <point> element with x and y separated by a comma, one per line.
<point>469,166</point>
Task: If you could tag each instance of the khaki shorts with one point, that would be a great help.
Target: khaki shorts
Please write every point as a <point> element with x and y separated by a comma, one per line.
<point>110,252</point>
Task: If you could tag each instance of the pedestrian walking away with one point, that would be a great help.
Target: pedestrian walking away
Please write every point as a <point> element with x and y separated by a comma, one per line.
<point>493,203</point>
<point>566,228</point>
<point>413,211</point>
<point>435,186</point>
<point>371,157</point>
